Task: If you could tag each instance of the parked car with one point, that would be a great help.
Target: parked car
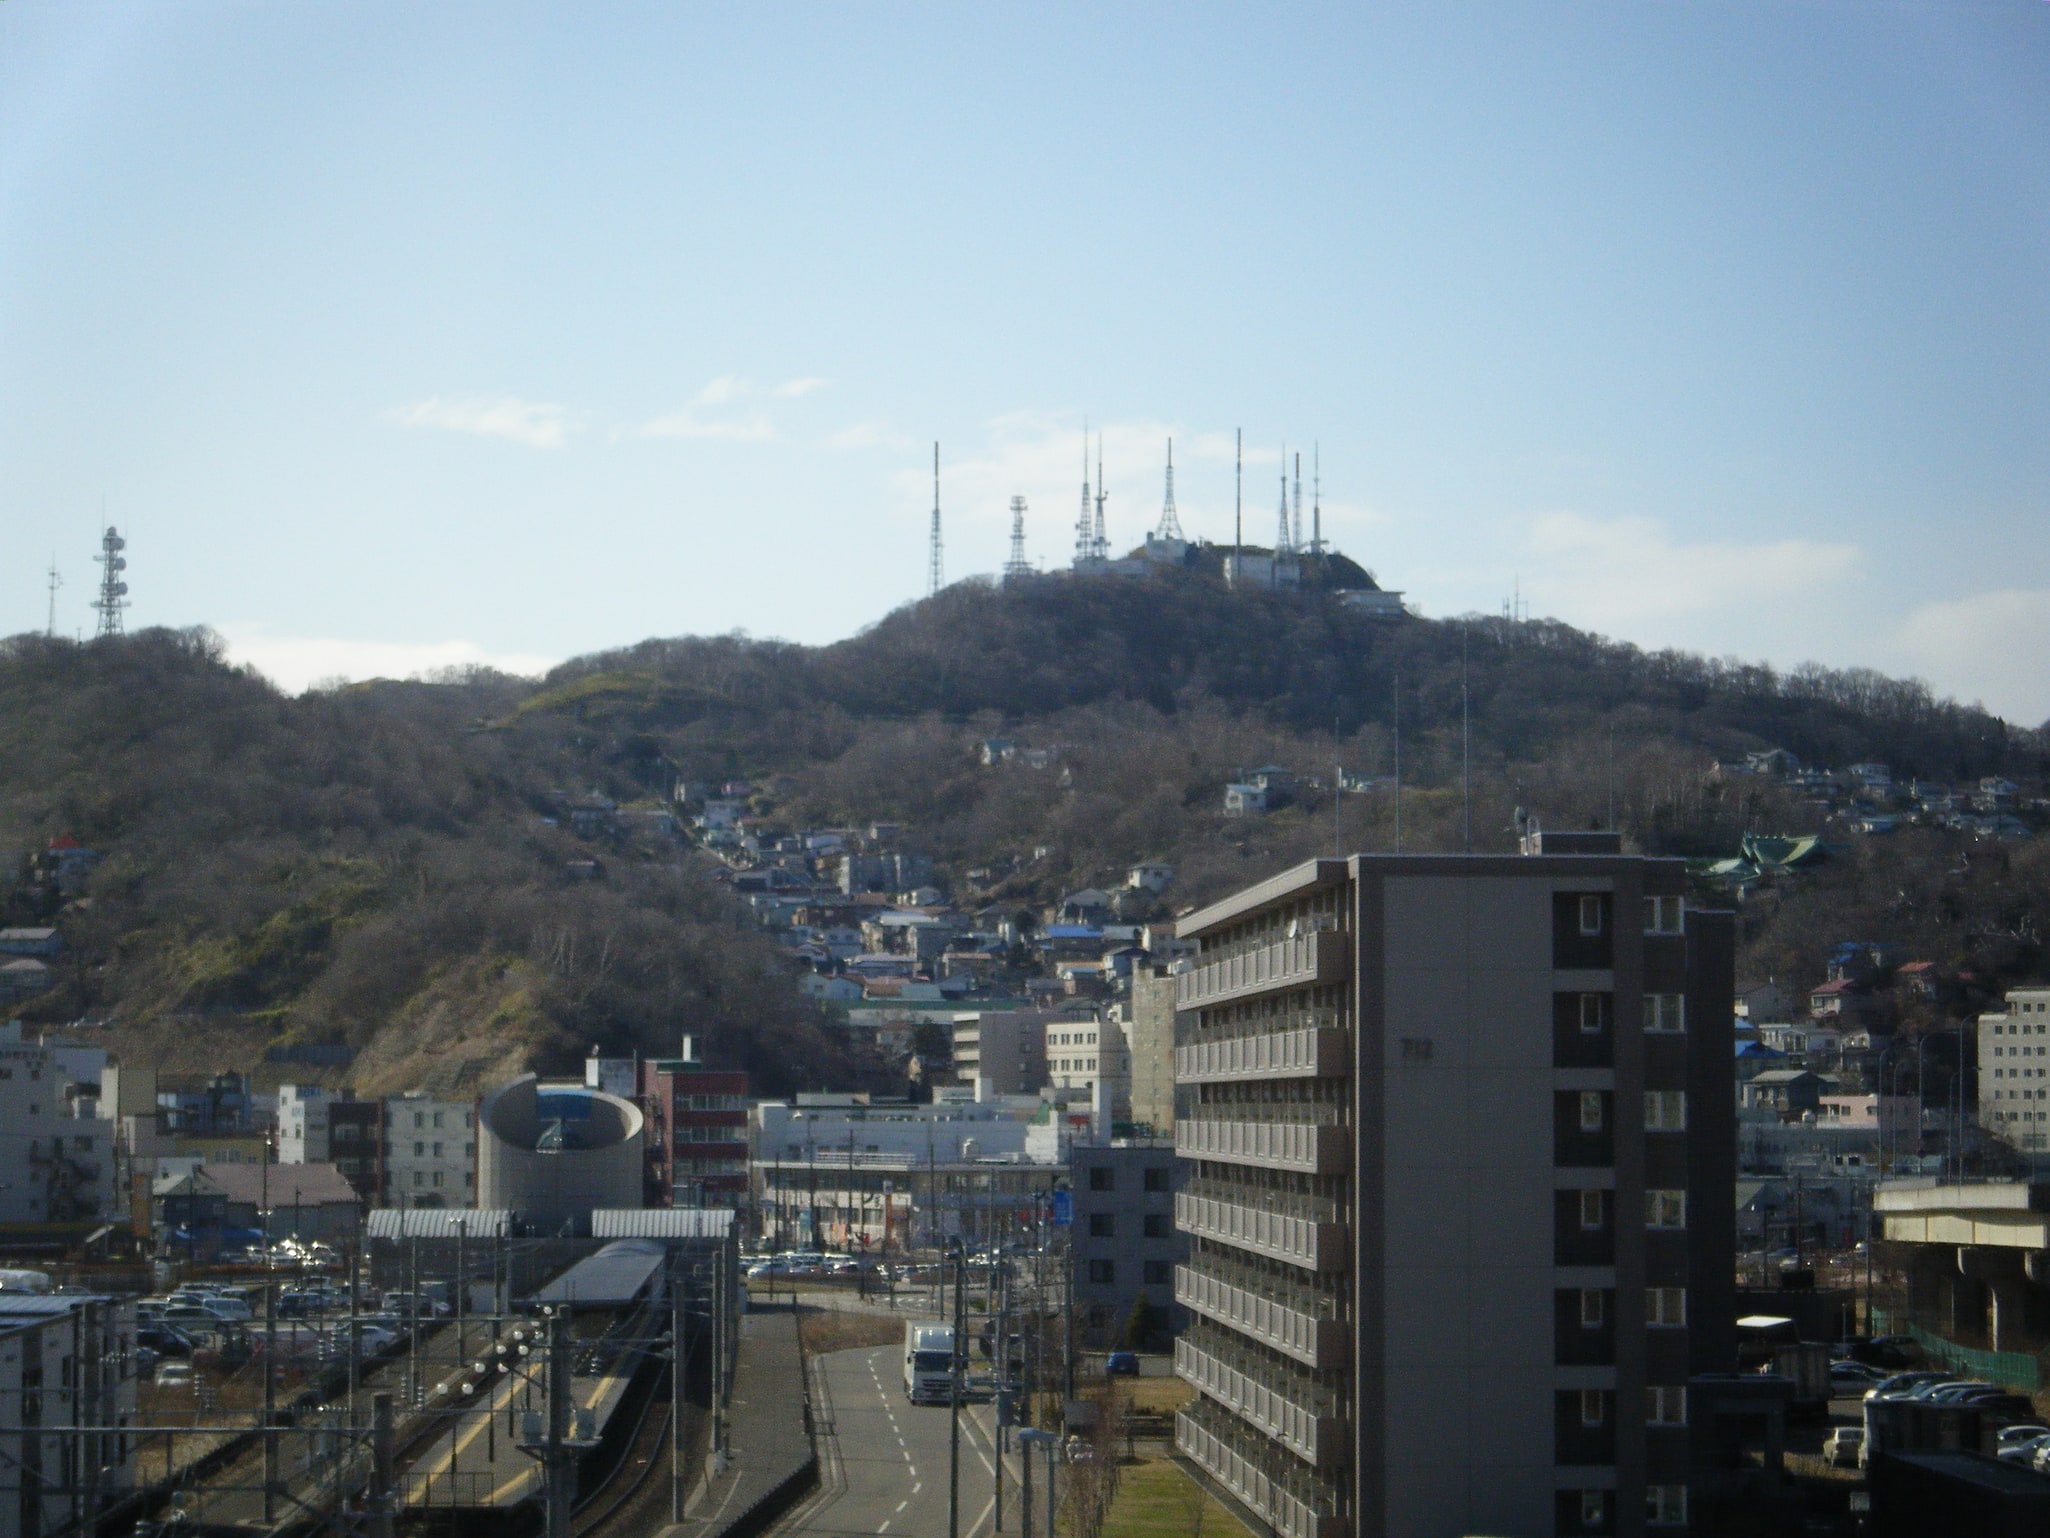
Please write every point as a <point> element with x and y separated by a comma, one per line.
<point>1121,1364</point>
<point>163,1340</point>
<point>2019,1444</point>
<point>1902,1382</point>
<point>1848,1374</point>
<point>1841,1447</point>
<point>174,1375</point>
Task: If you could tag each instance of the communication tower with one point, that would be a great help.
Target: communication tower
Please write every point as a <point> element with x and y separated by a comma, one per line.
<point>1283,544</point>
<point>1085,525</point>
<point>1297,541</point>
<point>1170,524</point>
<point>55,583</point>
<point>1316,501</point>
<point>113,591</point>
<point>934,565</point>
<point>1017,566</point>
<point>1098,543</point>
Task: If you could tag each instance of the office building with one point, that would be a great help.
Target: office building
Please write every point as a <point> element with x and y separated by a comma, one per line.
<point>696,1137</point>
<point>1125,1243</point>
<point>1459,1192</point>
<point>2014,1070</point>
<point>430,1152</point>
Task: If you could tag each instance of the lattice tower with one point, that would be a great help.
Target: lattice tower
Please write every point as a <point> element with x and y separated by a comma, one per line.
<point>113,591</point>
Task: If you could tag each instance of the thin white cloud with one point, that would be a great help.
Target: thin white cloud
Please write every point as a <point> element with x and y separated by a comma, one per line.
<point>296,663</point>
<point>706,414</point>
<point>1993,647</point>
<point>1631,576</point>
<point>791,389</point>
<point>688,424</point>
<point>537,424</point>
<point>725,388</point>
<point>868,435</point>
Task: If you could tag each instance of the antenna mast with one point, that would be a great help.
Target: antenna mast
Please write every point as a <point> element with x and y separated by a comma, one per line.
<point>1085,525</point>
<point>1238,503</point>
<point>1100,543</point>
<point>55,582</point>
<point>1170,524</point>
<point>1296,542</point>
<point>1283,545</point>
<point>1316,501</point>
<point>113,591</point>
<point>934,564</point>
<point>1017,566</point>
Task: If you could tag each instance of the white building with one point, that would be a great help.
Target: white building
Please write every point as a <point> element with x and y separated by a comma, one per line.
<point>56,1164</point>
<point>2014,1070</point>
<point>430,1152</point>
<point>65,1360</point>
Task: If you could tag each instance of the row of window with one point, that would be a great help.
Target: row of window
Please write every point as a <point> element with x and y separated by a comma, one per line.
<point>1665,1110</point>
<point>1102,1177</point>
<point>1665,1014</point>
<point>1662,915</point>
<point>1664,1307</point>
<point>1662,1209</point>
<point>1154,1225</point>
<point>1664,1405</point>
<point>1664,1506</point>
<point>1153,1273</point>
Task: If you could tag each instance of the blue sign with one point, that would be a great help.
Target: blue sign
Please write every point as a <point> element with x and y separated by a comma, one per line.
<point>1063,1207</point>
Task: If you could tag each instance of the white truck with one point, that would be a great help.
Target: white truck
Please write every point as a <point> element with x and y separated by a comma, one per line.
<point>929,1363</point>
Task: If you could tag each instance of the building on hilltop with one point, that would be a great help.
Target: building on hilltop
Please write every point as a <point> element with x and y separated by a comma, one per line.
<point>1458,1132</point>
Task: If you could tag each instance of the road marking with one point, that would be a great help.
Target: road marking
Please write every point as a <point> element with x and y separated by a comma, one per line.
<point>903,1503</point>
<point>883,1529</point>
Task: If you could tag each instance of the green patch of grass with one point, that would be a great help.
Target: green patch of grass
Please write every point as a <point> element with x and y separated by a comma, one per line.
<point>1156,1499</point>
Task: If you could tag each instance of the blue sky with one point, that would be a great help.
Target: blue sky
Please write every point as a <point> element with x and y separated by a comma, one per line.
<point>394,335</point>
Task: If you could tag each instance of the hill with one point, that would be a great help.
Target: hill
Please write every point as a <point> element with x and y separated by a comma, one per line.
<point>397,867</point>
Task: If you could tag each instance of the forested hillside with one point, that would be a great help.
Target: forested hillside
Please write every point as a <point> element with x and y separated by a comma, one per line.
<point>388,865</point>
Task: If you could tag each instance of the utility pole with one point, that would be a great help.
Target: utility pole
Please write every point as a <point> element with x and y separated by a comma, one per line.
<point>383,1465</point>
<point>560,1466</point>
<point>954,1398</point>
<point>270,1355</point>
<point>676,1390</point>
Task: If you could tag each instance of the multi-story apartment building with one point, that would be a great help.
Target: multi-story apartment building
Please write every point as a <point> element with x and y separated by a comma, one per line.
<point>2014,1070</point>
<point>1460,1191</point>
<point>1006,1047</point>
<point>66,1361</point>
<point>430,1152</point>
<point>56,1154</point>
<point>1147,1017</point>
<point>697,1130</point>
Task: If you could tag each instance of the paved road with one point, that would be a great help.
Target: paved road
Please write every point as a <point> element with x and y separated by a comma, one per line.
<point>883,1460</point>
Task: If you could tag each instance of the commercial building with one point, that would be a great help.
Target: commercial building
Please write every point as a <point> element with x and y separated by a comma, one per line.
<point>1460,1191</point>
<point>1006,1047</point>
<point>56,1154</point>
<point>430,1152</point>
<point>881,1204</point>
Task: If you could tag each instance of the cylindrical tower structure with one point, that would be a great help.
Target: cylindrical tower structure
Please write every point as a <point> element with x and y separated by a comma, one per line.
<point>551,1152</point>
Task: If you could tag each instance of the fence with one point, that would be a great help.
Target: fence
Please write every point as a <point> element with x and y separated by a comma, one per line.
<point>2011,1369</point>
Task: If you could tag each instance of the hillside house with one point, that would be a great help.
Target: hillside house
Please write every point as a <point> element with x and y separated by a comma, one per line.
<point>1837,997</point>
<point>1242,799</point>
<point>1153,875</point>
<point>25,976</point>
<point>1787,1092</point>
<point>1091,905</point>
<point>30,942</point>
<point>1761,1001</point>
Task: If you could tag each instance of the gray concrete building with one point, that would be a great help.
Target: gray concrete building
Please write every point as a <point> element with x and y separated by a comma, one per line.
<point>1460,1191</point>
<point>1125,1242</point>
<point>552,1152</point>
<point>1147,1015</point>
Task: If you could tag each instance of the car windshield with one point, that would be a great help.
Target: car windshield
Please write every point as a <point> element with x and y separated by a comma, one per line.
<point>932,1361</point>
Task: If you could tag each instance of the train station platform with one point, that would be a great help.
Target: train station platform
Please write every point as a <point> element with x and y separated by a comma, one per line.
<point>772,1461</point>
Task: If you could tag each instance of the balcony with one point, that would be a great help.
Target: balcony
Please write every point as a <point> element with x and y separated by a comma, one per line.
<point>1274,1321</point>
<point>1305,961</point>
<point>1321,1053</point>
<point>1283,1145</point>
<point>1315,1243</point>
<point>1313,1432</point>
<point>1288,1514</point>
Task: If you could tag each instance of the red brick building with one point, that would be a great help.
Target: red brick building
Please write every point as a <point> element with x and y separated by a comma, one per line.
<point>697,1132</point>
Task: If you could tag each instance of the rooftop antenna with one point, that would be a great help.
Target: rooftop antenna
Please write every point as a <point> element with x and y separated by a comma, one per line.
<point>1170,525</point>
<point>56,582</point>
<point>1100,544</point>
<point>1395,717</point>
<point>934,565</point>
<point>1296,540</point>
<point>1085,526</point>
<point>1238,504</point>
<point>1316,501</point>
<point>113,591</point>
<point>1017,566</point>
<point>1465,751</point>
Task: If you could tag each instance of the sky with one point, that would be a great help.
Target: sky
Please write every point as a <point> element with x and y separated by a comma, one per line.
<point>396,336</point>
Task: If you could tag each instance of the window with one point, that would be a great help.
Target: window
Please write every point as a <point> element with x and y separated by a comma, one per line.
<point>1159,1273</point>
<point>437,1118</point>
<point>437,1150</point>
<point>1662,915</point>
<point>437,1180</point>
<point>1159,1180</point>
<point>1593,1308</point>
<point>1665,1505</point>
<point>1665,1110</point>
<point>1665,1209</point>
<point>1159,1226</point>
<point>419,1120</point>
<point>1594,1508</point>
<point>1665,1307</point>
<point>1103,1273</point>
<point>1103,1225</point>
<point>1590,915</point>
<point>419,1150</point>
<point>1594,1409</point>
<point>419,1179</point>
<point>1591,1110</point>
<point>1103,1178</point>
<point>1591,1205</point>
<point>1665,1013</point>
<point>1665,1405</point>
<point>1591,1012</point>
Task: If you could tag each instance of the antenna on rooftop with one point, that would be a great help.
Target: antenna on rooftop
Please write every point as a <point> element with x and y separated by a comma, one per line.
<point>1100,543</point>
<point>1085,525</point>
<point>1316,501</point>
<point>113,591</point>
<point>934,564</point>
<point>1296,542</point>
<point>1017,566</point>
<point>1170,524</point>
<point>55,582</point>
